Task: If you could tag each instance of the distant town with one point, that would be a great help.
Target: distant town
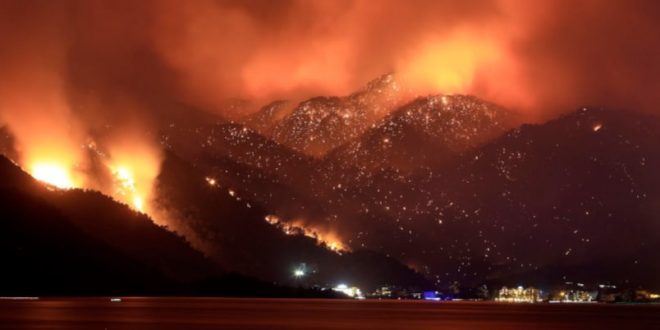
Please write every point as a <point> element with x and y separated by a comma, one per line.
<point>566,292</point>
<point>569,292</point>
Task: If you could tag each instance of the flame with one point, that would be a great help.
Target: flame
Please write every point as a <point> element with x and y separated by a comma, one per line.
<point>325,238</point>
<point>137,203</point>
<point>126,189</point>
<point>134,165</point>
<point>55,160</point>
<point>53,173</point>
<point>61,165</point>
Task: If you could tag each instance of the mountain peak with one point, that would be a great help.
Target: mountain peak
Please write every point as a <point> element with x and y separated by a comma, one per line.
<point>427,131</point>
<point>320,124</point>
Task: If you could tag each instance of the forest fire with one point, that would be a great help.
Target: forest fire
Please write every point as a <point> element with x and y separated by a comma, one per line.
<point>133,177</point>
<point>402,143</point>
<point>126,189</point>
<point>323,238</point>
<point>126,172</point>
<point>128,185</point>
<point>53,174</point>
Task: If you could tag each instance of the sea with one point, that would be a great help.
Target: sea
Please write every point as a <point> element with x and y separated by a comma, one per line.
<point>257,314</point>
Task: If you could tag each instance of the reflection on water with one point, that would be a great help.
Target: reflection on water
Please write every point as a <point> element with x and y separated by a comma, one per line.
<point>255,314</point>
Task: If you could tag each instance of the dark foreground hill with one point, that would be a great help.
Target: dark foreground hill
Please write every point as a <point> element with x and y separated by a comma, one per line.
<point>75,242</point>
<point>234,231</point>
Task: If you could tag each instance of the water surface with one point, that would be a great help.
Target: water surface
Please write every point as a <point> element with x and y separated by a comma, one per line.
<point>256,314</point>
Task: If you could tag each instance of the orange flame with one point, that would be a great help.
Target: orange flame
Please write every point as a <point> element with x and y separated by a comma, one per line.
<point>134,164</point>
<point>325,238</point>
<point>53,174</point>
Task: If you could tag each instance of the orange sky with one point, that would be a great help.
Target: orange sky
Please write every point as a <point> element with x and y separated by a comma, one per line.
<point>72,69</point>
<point>539,57</point>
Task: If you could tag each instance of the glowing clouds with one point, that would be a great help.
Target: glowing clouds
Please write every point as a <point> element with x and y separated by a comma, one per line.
<point>513,52</point>
<point>34,107</point>
<point>319,67</point>
<point>456,63</point>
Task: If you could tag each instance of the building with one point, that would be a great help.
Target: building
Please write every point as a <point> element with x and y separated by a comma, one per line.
<point>519,295</point>
<point>353,291</point>
<point>574,296</point>
<point>573,292</point>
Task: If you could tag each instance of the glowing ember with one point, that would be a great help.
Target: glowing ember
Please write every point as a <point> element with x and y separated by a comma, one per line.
<point>334,246</point>
<point>597,127</point>
<point>211,181</point>
<point>53,174</point>
<point>272,219</point>
<point>445,100</point>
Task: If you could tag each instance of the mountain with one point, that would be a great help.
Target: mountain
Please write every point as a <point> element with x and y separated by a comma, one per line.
<point>235,231</point>
<point>577,196</point>
<point>248,162</point>
<point>453,187</point>
<point>268,179</point>
<point>427,132</point>
<point>444,191</point>
<point>253,178</point>
<point>363,181</point>
<point>209,142</point>
<point>76,242</point>
<point>45,254</point>
<point>265,120</point>
<point>57,242</point>
<point>321,124</point>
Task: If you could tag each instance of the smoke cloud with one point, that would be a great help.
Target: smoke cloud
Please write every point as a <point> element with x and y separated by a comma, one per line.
<point>105,71</point>
<point>89,59</point>
<point>539,57</point>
